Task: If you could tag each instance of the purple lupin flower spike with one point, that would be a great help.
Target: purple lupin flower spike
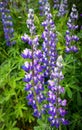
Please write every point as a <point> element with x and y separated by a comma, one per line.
<point>56,4</point>
<point>70,37</point>
<point>72,19</point>
<point>7,23</point>
<point>56,105</point>
<point>34,76</point>
<point>42,6</point>
<point>63,9</point>
<point>49,42</point>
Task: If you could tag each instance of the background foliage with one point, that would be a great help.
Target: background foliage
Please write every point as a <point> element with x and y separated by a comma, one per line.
<point>15,114</point>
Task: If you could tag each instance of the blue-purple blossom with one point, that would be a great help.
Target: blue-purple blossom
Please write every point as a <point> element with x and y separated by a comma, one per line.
<point>72,19</point>
<point>7,23</point>
<point>49,42</point>
<point>56,105</point>
<point>42,6</point>
<point>63,9</point>
<point>44,63</point>
<point>34,77</point>
<point>56,4</point>
<point>70,37</point>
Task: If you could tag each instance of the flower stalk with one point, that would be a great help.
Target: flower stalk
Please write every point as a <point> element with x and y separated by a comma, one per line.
<point>7,23</point>
<point>70,38</point>
<point>34,77</point>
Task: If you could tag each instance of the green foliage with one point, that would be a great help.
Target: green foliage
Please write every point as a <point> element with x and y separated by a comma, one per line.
<point>14,111</point>
<point>43,125</point>
<point>15,114</point>
<point>12,98</point>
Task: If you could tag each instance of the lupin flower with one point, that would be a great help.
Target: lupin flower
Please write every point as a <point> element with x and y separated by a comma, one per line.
<point>42,6</point>
<point>7,23</point>
<point>34,77</point>
<point>63,9</point>
<point>56,4</point>
<point>49,42</point>
<point>73,17</point>
<point>56,105</point>
<point>70,37</point>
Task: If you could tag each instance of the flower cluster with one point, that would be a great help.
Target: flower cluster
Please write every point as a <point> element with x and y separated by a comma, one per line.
<point>70,37</point>
<point>42,64</point>
<point>7,23</point>
<point>73,18</point>
<point>63,9</point>
<point>42,6</point>
<point>34,77</point>
<point>56,4</point>
<point>56,105</point>
<point>49,42</point>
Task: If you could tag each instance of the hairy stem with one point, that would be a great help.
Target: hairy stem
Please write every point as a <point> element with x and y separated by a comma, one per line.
<point>60,127</point>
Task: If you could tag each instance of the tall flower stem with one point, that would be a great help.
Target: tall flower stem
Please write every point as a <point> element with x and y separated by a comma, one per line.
<point>60,127</point>
<point>33,77</point>
<point>71,38</point>
<point>7,23</point>
<point>33,68</point>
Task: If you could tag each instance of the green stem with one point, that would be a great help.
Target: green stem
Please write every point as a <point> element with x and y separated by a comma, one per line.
<point>60,127</point>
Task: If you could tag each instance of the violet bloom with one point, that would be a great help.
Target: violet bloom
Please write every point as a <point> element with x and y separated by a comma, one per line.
<point>34,77</point>
<point>72,19</point>
<point>49,42</point>
<point>7,23</point>
<point>56,105</point>
<point>56,4</point>
<point>70,37</point>
<point>42,6</point>
<point>63,9</point>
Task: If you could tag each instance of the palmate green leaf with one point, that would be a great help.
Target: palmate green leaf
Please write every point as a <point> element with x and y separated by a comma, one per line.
<point>9,93</point>
<point>15,128</point>
<point>19,109</point>
<point>30,118</point>
<point>36,19</point>
<point>68,59</point>
<point>2,128</point>
<point>36,128</point>
<point>11,126</point>
<point>12,82</point>
<point>2,99</point>
<point>16,79</point>
<point>61,38</point>
<point>6,67</point>
<point>76,116</point>
<point>75,87</point>
<point>61,24</point>
<point>77,121</point>
<point>13,52</point>
<point>40,122</point>
<point>79,99</point>
<point>69,92</point>
<point>43,124</point>
<point>28,115</point>
<point>60,47</point>
<point>54,12</point>
<point>79,34</point>
<point>43,127</point>
<point>3,53</point>
<point>5,70</point>
<point>2,115</point>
